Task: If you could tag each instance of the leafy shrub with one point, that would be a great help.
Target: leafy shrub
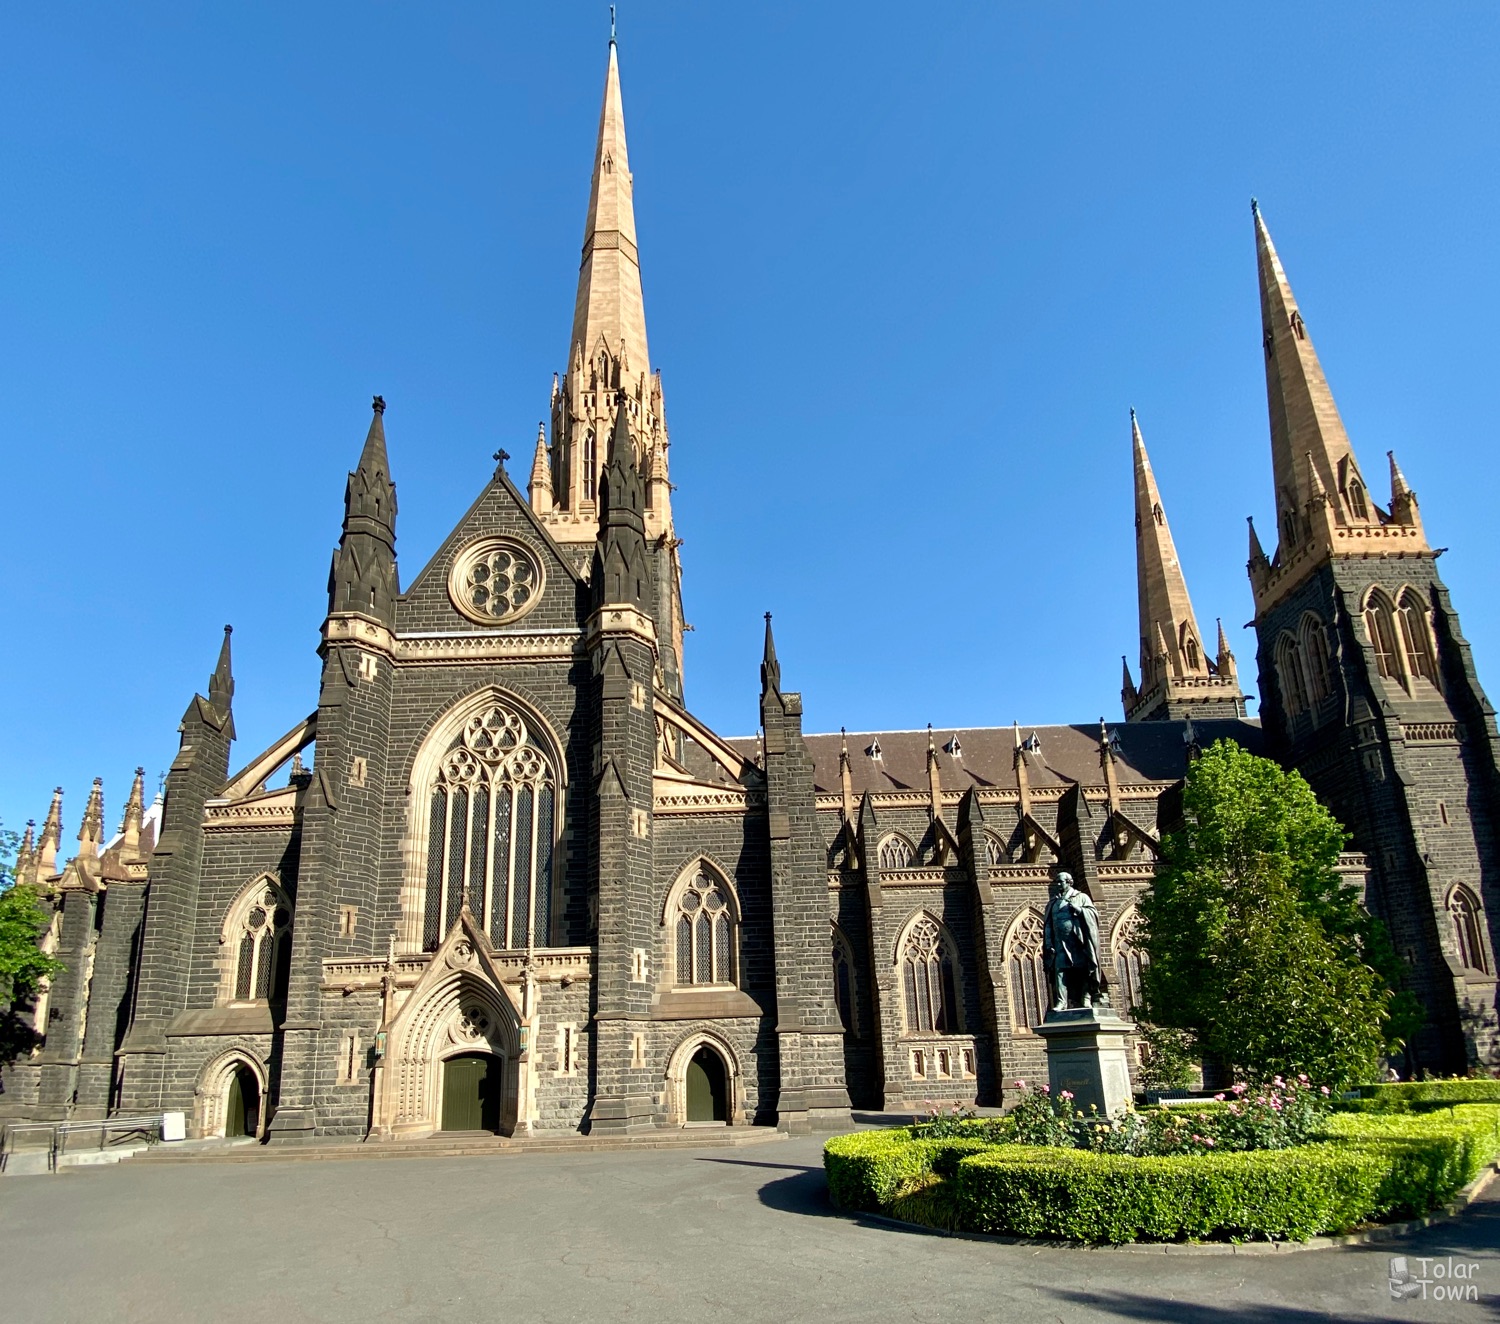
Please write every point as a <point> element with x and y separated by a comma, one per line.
<point>1275,1116</point>
<point>1429,1157</point>
<point>1405,1095</point>
<point>868,1169</point>
<point>1361,1168</point>
<point>1040,1118</point>
<point>1109,1198</point>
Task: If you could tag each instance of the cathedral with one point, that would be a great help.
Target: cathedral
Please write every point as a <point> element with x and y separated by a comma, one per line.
<point>499,878</point>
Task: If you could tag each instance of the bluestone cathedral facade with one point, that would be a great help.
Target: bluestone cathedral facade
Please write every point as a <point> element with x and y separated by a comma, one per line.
<point>501,878</point>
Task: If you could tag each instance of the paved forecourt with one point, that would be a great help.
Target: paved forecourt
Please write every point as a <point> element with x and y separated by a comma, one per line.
<point>661,1235</point>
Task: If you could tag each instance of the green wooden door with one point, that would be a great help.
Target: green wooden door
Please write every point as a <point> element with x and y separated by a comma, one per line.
<point>234,1112</point>
<point>471,1092</point>
<point>707,1092</point>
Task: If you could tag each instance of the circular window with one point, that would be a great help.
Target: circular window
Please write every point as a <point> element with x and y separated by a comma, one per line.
<point>495,581</point>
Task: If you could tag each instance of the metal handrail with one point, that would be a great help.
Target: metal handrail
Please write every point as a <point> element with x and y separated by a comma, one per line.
<point>148,1127</point>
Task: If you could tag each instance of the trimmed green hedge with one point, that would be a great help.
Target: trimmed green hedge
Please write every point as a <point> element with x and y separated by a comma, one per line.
<point>1429,1156</point>
<point>1289,1193</point>
<point>869,1169</point>
<point>1415,1095</point>
<point>1364,1168</point>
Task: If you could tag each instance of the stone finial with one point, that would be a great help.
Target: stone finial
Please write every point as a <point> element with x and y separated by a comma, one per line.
<point>378,404</point>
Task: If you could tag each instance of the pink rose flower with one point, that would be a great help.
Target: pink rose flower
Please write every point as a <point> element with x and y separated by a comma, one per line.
<point>1065,1094</point>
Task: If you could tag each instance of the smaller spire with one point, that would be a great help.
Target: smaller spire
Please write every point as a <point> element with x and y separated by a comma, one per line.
<point>1128,692</point>
<point>1257,552</point>
<point>135,811</point>
<point>51,838</point>
<point>91,830</point>
<point>540,487</point>
<point>934,779</point>
<point>846,780</point>
<point>221,683</point>
<point>770,668</point>
<point>1225,659</point>
<point>1107,744</point>
<point>1399,487</point>
<point>25,866</point>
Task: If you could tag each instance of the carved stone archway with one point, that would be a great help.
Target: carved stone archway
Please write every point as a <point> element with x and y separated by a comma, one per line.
<point>458,1006</point>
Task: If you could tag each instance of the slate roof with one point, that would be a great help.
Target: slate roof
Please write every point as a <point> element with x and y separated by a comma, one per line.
<point>1149,753</point>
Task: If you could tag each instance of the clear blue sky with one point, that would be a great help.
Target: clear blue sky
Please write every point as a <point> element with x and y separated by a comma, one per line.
<point>906,267</point>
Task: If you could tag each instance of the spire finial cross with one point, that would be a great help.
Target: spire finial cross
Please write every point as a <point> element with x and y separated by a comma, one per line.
<point>611,25</point>
<point>501,455</point>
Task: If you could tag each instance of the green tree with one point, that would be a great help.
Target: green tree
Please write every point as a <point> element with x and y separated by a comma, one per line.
<point>23,964</point>
<point>1257,949</point>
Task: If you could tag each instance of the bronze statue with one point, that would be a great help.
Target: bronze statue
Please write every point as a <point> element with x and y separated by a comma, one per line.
<point>1070,948</point>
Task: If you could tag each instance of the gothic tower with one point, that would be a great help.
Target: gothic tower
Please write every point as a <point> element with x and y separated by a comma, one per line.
<point>607,360</point>
<point>1178,677</point>
<point>1368,688</point>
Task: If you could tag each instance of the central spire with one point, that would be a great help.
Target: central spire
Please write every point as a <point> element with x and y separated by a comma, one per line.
<point>610,312</point>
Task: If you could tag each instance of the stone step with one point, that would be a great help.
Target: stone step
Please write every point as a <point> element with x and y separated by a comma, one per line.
<point>455,1147</point>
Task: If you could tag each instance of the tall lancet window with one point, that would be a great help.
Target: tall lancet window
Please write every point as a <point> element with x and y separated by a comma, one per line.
<point>260,926</point>
<point>703,932</point>
<point>927,976</point>
<point>490,834</point>
<point>590,465</point>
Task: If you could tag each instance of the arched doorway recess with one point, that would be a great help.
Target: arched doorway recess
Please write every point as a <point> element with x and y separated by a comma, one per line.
<point>706,1087</point>
<point>242,1107</point>
<point>473,1088</point>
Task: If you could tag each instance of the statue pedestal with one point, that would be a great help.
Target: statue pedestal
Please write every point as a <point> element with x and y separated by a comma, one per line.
<point>1086,1054</point>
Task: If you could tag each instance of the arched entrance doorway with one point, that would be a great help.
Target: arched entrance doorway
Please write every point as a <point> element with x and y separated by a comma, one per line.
<point>707,1087</point>
<point>242,1107</point>
<point>473,1084</point>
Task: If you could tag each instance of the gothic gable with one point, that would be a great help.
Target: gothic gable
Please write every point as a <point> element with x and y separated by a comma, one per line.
<point>498,570</point>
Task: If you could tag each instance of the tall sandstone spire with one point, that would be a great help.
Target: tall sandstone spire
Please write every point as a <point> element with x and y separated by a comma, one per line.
<point>1178,676</point>
<point>1323,503</point>
<point>609,361</point>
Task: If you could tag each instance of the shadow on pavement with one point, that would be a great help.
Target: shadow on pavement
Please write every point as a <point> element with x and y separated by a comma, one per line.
<point>1129,1305</point>
<point>806,1193</point>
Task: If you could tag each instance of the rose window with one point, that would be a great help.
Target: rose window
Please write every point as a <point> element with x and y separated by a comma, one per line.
<point>494,581</point>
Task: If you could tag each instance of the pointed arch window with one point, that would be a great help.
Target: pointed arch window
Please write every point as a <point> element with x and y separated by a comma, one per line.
<point>1357,504</point>
<point>1315,654</point>
<point>1028,980</point>
<point>994,851</point>
<point>1190,651</point>
<point>1383,635</point>
<point>1468,933</point>
<point>703,930</point>
<point>1415,637</point>
<point>260,926</point>
<point>1130,958</point>
<point>590,465</point>
<point>1289,670</point>
<point>896,852</point>
<point>928,978</point>
<point>843,982</point>
<point>491,831</point>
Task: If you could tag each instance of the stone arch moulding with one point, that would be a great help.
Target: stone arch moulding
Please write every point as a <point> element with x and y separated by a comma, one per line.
<point>675,1080</point>
<point>211,1093</point>
<point>671,971</point>
<point>258,892</point>
<point>459,1005</point>
<point>431,748</point>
